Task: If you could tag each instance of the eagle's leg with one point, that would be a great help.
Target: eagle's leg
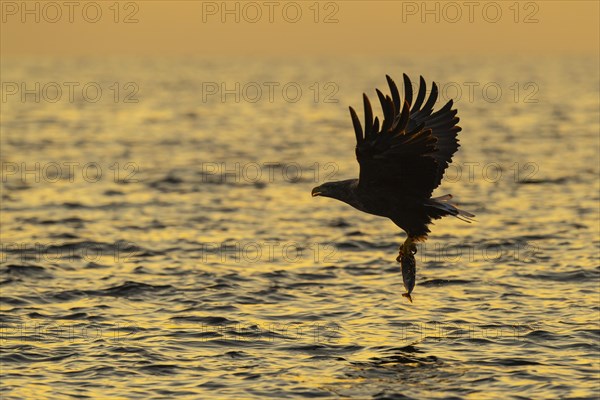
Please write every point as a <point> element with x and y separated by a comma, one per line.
<point>406,258</point>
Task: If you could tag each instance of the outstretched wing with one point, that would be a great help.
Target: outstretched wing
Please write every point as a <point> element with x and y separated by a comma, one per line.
<point>412,148</point>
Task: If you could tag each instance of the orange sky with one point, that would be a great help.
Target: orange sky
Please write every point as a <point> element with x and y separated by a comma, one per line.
<point>362,27</point>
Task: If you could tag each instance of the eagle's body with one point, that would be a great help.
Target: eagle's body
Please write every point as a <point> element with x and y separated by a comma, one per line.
<point>401,163</point>
<point>408,212</point>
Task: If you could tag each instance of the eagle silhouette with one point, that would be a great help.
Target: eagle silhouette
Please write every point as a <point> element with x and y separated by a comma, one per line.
<point>402,160</point>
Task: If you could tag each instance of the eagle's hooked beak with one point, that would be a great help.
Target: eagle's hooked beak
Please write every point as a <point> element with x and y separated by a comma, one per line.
<point>316,191</point>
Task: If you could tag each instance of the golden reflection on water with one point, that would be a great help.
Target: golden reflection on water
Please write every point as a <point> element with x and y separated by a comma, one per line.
<point>173,274</point>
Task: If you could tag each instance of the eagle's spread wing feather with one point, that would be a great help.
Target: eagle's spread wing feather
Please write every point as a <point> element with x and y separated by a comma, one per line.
<point>414,145</point>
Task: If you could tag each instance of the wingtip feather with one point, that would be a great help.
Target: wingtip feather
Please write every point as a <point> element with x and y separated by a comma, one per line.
<point>357,127</point>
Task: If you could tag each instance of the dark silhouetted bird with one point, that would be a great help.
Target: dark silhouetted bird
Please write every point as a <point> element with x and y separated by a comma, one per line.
<point>402,160</point>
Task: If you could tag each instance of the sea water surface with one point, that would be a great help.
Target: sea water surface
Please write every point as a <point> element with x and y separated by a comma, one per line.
<point>159,239</point>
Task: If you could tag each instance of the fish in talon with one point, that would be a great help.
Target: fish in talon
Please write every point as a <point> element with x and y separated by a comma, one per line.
<point>406,259</point>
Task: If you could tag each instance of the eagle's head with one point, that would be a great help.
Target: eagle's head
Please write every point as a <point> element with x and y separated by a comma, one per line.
<point>340,190</point>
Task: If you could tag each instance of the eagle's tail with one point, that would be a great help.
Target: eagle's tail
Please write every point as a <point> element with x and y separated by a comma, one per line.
<point>443,207</point>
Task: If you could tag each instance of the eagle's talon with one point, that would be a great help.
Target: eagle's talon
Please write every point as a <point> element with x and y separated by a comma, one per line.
<point>413,249</point>
<point>408,247</point>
